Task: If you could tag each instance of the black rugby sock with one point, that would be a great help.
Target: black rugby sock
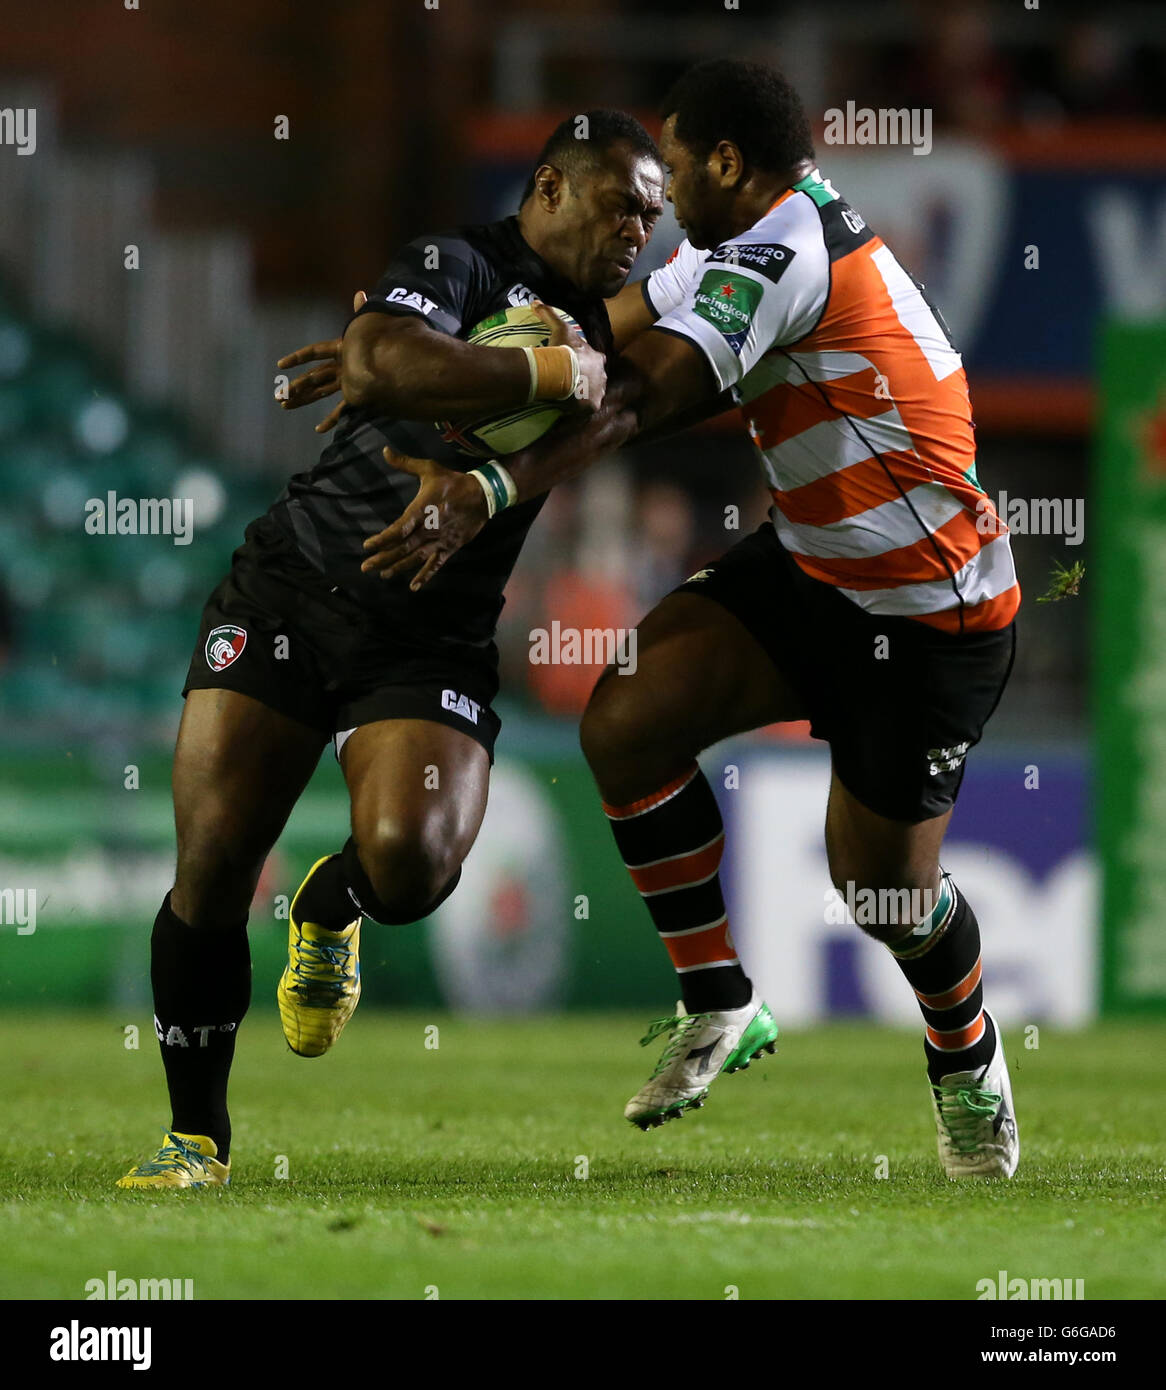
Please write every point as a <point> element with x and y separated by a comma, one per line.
<point>202,987</point>
<point>941,961</point>
<point>672,843</point>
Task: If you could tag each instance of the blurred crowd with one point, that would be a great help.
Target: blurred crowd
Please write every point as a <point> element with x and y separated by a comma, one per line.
<point>958,66</point>
<point>978,64</point>
<point>606,548</point>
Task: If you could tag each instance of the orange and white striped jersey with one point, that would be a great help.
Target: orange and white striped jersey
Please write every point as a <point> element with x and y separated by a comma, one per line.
<point>858,404</point>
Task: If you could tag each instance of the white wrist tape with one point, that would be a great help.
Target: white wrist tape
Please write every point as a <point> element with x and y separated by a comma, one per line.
<point>576,375</point>
<point>500,488</point>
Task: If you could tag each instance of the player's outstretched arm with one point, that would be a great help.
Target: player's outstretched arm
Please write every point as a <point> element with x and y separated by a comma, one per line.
<point>402,366</point>
<point>659,377</point>
<point>320,382</point>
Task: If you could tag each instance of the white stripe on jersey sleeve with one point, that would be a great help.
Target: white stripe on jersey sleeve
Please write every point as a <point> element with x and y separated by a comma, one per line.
<point>987,574</point>
<point>789,306</point>
<point>665,287</point>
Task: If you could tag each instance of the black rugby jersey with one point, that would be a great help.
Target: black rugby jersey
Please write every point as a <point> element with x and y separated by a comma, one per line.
<point>351,493</point>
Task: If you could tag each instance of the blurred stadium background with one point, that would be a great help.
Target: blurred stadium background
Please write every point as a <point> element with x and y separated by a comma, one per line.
<point>155,130</point>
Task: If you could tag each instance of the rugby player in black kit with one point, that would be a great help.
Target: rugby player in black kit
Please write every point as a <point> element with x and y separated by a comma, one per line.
<point>298,645</point>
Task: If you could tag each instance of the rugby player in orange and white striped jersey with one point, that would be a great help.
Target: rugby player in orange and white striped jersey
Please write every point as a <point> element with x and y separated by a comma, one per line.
<point>871,602</point>
<point>858,404</point>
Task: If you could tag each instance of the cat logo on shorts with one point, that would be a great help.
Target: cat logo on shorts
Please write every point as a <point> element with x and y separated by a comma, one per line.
<point>224,645</point>
<point>460,704</point>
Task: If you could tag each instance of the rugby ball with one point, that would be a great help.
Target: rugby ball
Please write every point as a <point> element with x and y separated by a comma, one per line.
<point>507,431</point>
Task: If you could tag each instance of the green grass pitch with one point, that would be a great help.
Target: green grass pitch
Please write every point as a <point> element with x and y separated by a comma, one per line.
<point>498,1165</point>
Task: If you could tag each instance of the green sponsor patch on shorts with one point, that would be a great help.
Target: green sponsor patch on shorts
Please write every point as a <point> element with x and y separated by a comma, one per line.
<point>728,301</point>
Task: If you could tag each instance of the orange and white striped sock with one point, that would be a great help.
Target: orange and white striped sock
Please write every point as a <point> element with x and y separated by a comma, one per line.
<point>940,958</point>
<point>672,842</point>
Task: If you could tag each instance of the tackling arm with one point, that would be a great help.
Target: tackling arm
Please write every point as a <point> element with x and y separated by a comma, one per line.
<point>629,314</point>
<point>659,376</point>
<point>402,366</point>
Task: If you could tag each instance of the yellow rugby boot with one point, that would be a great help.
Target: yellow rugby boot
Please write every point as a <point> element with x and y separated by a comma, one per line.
<point>184,1160</point>
<point>320,984</point>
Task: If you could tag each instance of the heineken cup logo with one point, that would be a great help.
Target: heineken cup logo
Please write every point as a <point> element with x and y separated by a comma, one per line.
<point>728,300</point>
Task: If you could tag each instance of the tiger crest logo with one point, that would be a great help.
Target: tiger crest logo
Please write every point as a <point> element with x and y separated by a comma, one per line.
<point>223,645</point>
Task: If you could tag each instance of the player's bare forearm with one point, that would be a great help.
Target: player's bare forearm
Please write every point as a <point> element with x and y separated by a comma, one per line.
<point>408,370</point>
<point>659,378</point>
<point>629,314</point>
